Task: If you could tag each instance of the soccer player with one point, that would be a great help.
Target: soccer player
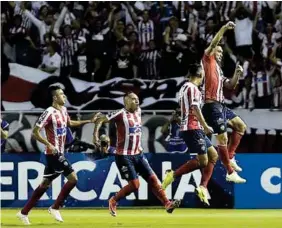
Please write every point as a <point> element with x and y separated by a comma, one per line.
<point>194,128</point>
<point>129,157</point>
<point>55,120</point>
<point>214,110</point>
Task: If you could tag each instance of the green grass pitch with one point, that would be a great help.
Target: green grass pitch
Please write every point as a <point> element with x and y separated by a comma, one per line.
<point>150,218</point>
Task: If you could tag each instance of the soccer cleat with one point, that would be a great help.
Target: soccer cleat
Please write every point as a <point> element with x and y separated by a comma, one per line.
<point>234,177</point>
<point>23,218</point>
<point>56,214</point>
<point>202,193</point>
<point>171,205</point>
<point>113,207</point>
<point>234,165</point>
<point>169,178</point>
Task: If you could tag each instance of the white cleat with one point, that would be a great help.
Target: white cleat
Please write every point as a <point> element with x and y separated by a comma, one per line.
<point>234,165</point>
<point>23,218</point>
<point>56,214</point>
<point>202,193</point>
<point>234,177</point>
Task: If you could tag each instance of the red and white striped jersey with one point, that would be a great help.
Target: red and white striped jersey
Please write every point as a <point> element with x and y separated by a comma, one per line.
<point>189,95</point>
<point>129,131</point>
<point>146,32</point>
<point>214,79</point>
<point>55,123</point>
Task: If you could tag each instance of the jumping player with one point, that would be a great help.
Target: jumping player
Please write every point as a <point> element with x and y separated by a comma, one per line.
<point>55,120</point>
<point>214,110</point>
<point>129,157</point>
<point>194,128</point>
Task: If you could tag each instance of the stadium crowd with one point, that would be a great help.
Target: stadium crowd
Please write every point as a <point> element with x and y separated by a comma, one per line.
<point>96,41</point>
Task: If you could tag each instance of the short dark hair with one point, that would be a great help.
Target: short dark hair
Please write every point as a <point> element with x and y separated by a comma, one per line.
<point>127,94</point>
<point>54,46</point>
<point>195,70</point>
<point>52,89</point>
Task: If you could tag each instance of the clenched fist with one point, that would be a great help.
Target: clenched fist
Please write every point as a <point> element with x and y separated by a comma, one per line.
<point>230,25</point>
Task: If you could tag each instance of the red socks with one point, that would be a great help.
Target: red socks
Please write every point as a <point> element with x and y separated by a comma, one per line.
<point>132,186</point>
<point>157,189</point>
<point>63,194</point>
<point>36,195</point>
<point>234,142</point>
<point>188,167</point>
<point>224,157</point>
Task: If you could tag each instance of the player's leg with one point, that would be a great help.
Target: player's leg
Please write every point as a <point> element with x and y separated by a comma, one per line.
<point>239,127</point>
<point>49,176</point>
<point>202,191</point>
<point>145,170</point>
<point>127,170</point>
<point>212,159</point>
<point>214,114</point>
<point>62,165</point>
<point>195,141</point>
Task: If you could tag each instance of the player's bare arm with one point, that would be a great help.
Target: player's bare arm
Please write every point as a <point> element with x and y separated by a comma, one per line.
<point>198,113</point>
<point>98,123</point>
<point>231,83</point>
<point>210,50</point>
<point>77,123</point>
<point>4,133</point>
<point>36,134</point>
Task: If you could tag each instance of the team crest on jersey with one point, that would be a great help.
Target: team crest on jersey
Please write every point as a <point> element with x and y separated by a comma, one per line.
<point>222,127</point>
<point>220,121</point>
<point>135,130</point>
<point>201,141</point>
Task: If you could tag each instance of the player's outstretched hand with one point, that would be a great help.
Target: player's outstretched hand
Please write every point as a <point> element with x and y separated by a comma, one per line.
<point>230,25</point>
<point>239,69</point>
<point>96,116</point>
<point>208,130</point>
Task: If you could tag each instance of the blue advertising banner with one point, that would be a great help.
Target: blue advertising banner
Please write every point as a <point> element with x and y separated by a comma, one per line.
<point>264,181</point>
<point>98,180</point>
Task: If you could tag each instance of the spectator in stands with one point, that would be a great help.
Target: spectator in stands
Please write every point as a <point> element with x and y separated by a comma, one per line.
<point>123,64</point>
<point>80,67</point>
<point>151,60</point>
<point>243,19</point>
<point>134,45</point>
<point>51,62</point>
<point>43,24</point>
<point>181,31</point>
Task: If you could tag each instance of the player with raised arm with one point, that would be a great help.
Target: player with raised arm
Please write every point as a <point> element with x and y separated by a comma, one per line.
<point>129,157</point>
<point>214,110</point>
<point>194,129</point>
<point>54,120</point>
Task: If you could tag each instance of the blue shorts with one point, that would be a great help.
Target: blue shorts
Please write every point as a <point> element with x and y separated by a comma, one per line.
<point>131,165</point>
<point>217,115</point>
<point>196,141</point>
